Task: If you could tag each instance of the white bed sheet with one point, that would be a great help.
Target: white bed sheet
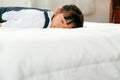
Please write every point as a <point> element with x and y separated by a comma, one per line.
<point>60,54</point>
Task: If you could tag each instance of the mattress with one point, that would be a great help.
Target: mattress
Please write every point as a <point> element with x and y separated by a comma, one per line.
<point>89,53</point>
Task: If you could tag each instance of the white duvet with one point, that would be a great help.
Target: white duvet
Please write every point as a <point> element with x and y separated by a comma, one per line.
<point>60,54</point>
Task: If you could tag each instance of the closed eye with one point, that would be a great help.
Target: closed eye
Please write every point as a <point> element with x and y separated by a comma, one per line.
<point>69,22</point>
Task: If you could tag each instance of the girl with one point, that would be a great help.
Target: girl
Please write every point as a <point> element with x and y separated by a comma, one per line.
<point>69,16</point>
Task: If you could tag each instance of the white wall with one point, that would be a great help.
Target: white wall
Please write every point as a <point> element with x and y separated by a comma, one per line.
<point>53,4</point>
<point>101,12</point>
<point>15,3</point>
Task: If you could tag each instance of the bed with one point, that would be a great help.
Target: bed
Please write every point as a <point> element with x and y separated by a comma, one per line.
<point>89,53</point>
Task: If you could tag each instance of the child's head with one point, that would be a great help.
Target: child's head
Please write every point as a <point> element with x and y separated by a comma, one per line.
<point>69,16</point>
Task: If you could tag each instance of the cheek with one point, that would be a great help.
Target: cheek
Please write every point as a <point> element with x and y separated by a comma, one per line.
<point>56,22</point>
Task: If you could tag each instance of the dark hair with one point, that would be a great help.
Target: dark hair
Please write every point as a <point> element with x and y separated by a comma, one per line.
<point>73,13</point>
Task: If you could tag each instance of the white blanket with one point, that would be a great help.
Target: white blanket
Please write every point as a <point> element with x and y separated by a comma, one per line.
<point>60,54</point>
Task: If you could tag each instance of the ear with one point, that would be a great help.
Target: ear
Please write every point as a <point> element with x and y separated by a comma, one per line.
<point>57,11</point>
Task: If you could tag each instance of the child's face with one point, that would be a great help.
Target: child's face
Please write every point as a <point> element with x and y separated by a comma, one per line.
<point>58,21</point>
